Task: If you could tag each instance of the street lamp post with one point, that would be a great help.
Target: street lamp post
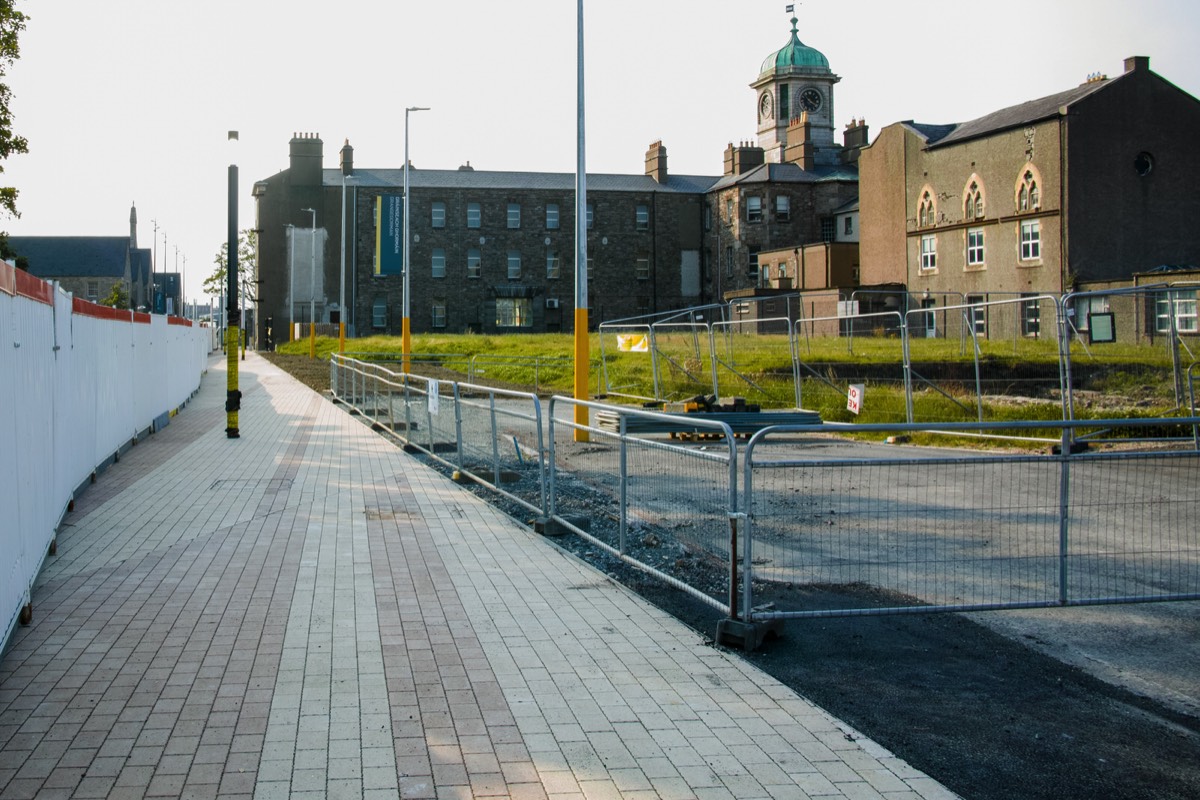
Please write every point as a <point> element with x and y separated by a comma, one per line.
<point>582,357</point>
<point>342,286</point>
<point>312,285</point>
<point>405,329</point>
<point>291,281</point>
<point>233,400</point>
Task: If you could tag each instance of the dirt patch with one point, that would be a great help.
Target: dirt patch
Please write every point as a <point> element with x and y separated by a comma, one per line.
<point>987,716</point>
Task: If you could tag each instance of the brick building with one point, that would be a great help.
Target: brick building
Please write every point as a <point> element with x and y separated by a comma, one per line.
<point>1086,187</point>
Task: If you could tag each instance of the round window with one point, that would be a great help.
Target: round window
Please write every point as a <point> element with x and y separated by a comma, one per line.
<point>1144,164</point>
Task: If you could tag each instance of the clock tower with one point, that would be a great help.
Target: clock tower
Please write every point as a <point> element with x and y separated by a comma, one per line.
<point>795,81</point>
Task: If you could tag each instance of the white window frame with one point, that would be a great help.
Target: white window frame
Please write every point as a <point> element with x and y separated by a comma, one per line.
<point>437,263</point>
<point>754,209</point>
<point>1031,240</point>
<point>641,217</point>
<point>975,247</point>
<point>1183,303</point>
<point>474,263</point>
<point>474,215</point>
<point>514,265</point>
<point>514,216</point>
<point>514,312</point>
<point>641,268</point>
<point>1031,317</point>
<point>438,315</point>
<point>553,267</point>
<point>379,313</point>
<point>552,218</point>
<point>783,207</point>
<point>929,252</point>
<point>437,214</point>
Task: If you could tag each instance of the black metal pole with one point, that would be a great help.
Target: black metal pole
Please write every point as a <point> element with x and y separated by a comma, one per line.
<point>233,317</point>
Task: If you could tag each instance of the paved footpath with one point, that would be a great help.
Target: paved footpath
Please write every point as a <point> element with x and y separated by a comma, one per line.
<point>307,611</point>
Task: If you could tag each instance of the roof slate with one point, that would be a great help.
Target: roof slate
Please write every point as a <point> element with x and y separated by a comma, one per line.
<point>531,181</point>
<point>787,173</point>
<point>73,256</point>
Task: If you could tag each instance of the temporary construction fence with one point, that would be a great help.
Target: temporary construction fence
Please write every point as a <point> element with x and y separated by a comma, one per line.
<point>889,530</point>
<point>82,383</point>
<point>924,358</point>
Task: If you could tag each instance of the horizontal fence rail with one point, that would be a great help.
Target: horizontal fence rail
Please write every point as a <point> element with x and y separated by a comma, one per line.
<point>911,529</point>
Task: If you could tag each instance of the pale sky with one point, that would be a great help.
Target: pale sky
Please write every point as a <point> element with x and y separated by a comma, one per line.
<point>130,101</point>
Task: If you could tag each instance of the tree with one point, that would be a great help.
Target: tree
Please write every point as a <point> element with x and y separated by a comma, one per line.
<point>217,283</point>
<point>118,297</point>
<point>12,23</point>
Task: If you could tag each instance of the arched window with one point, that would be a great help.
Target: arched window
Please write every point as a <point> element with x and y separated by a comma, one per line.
<point>926,212</point>
<point>1029,197</point>
<point>973,201</point>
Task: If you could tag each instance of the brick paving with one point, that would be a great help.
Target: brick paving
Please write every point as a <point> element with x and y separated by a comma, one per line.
<point>308,612</point>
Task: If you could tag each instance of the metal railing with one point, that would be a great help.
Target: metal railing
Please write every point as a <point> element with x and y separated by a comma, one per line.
<point>917,530</point>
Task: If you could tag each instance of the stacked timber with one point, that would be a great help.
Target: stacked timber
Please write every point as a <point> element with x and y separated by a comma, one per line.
<point>742,418</point>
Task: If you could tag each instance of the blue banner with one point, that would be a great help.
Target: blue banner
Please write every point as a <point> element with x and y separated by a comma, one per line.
<point>389,234</point>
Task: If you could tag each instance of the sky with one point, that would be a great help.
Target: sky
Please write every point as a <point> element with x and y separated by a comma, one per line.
<point>130,101</point>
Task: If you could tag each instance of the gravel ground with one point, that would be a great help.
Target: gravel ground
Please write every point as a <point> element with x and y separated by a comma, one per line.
<point>983,713</point>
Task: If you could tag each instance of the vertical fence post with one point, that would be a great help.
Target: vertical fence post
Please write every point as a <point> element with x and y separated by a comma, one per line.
<point>623,476</point>
<point>458,437</point>
<point>495,440</point>
<point>1064,497</point>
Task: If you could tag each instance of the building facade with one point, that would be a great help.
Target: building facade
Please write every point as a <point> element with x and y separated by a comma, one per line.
<point>1086,187</point>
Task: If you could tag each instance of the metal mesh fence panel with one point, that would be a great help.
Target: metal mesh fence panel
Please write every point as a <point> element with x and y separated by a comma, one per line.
<point>742,352</point>
<point>502,443</point>
<point>983,531</point>
<point>836,352</point>
<point>661,504</point>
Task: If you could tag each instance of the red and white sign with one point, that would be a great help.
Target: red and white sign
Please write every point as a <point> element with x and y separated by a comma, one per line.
<point>854,398</point>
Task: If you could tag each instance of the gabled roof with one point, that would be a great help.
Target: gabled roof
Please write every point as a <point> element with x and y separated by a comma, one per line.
<point>1007,118</point>
<point>73,256</point>
<point>534,181</point>
<point>787,173</point>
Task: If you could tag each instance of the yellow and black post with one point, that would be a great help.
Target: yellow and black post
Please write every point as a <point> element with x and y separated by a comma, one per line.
<point>233,316</point>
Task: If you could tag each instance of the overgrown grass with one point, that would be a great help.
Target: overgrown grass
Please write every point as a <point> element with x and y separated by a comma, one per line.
<point>759,367</point>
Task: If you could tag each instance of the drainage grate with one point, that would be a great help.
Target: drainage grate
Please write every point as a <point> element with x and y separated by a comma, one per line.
<point>387,513</point>
<point>264,484</point>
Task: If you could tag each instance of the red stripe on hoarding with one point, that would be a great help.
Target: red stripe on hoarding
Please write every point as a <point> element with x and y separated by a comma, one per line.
<point>141,318</point>
<point>86,309</point>
<point>33,288</point>
<point>8,282</point>
<point>179,321</point>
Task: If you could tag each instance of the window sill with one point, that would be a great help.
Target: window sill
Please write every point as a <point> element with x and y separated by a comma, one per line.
<point>1029,264</point>
<point>975,268</point>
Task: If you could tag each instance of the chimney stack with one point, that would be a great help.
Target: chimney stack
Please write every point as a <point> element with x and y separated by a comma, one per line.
<point>656,162</point>
<point>347,159</point>
<point>306,157</point>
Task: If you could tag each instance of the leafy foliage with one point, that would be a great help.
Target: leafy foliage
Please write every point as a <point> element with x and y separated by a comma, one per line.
<point>216,283</point>
<point>12,23</point>
<point>118,297</point>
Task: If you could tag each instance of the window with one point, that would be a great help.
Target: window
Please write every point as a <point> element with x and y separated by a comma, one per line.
<point>551,216</point>
<point>591,216</point>
<point>1031,317</point>
<point>379,313</point>
<point>438,314</point>
<point>642,269</point>
<point>1086,306</point>
<point>766,275</point>
<point>439,262</point>
<point>474,215</point>
<point>928,252</point>
<point>514,215</point>
<point>552,266</point>
<point>642,217</point>
<point>828,226</point>
<point>752,263</point>
<point>514,312</point>
<point>514,265</point>
<point>1028,196</point>
<point>848,226</point>
<point>1031,240</point>
<point>1184,305</point>
<point>754,209</point>
<point>977,313</point>
<point>973,204</point>
<point>93,290</point>
<point>729,210</point>
<point>783,208</point>
<point>474,264</point>
<point>975,247</point>
<point>729,260</point>
<point>927,211</point>
<point>438,214</point>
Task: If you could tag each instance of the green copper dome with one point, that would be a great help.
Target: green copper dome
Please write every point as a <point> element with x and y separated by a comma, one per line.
<point>795,55</point>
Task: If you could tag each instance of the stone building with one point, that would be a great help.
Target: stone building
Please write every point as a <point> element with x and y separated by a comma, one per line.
<point>89,266</point>
<point>1086,187</point>
<point>491,252</point>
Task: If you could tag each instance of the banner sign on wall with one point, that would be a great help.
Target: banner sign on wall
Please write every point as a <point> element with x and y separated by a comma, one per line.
<point>389,234</point>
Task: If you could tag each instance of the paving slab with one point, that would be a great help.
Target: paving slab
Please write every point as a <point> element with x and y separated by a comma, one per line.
<point>307,611</point>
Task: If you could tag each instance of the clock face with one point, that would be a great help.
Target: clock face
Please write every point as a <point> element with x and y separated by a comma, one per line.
<point>765,106</point>
<point>810,99</point>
